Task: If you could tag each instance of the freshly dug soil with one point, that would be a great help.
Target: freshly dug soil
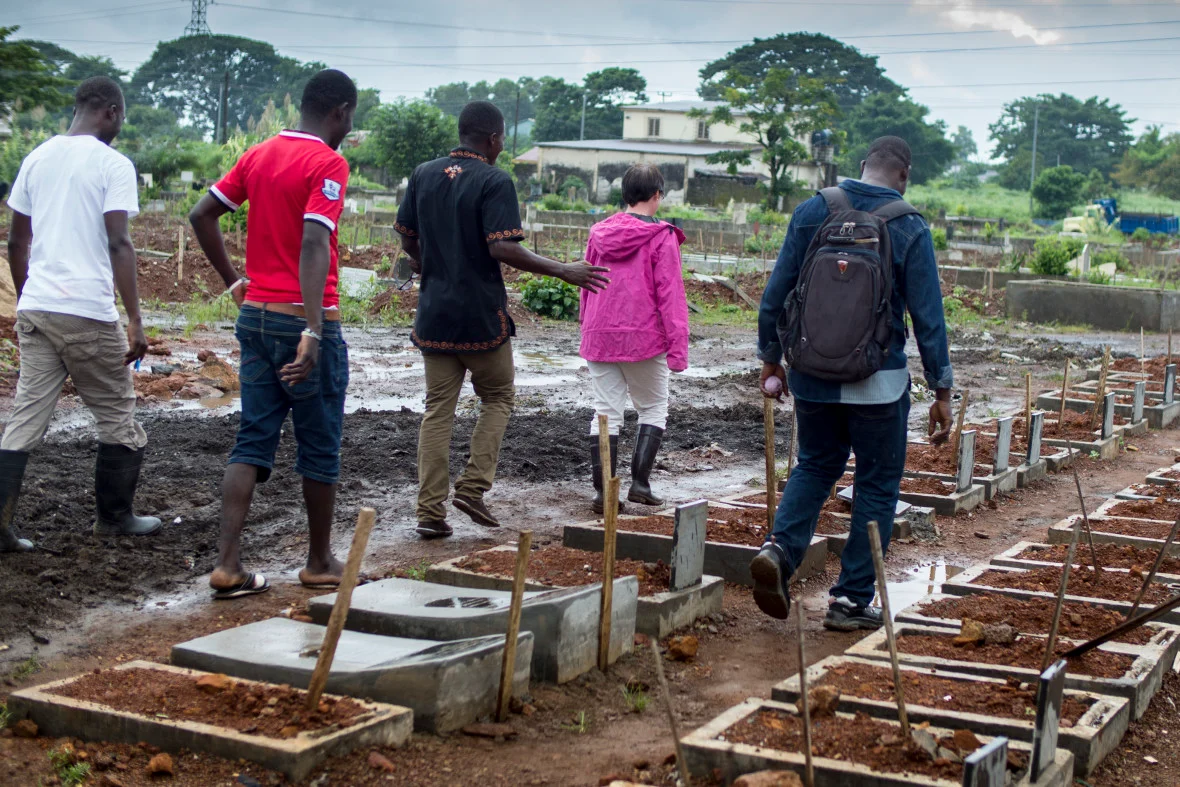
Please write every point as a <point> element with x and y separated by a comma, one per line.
<point>758,498</point>
<point>1077,427</point>
<point>265,710</point>
<point>1007,700</point>
<point>1159,509</point>
<point>1113,585</point>
<point>1132,527</point>
<point>1109,556</point>
<point>753,535</point>
<point>939,459</point>
<point>850,740</point>
<point>1174,474</point>
<point>926,486</point>
<point>829,525</point>
<point>1079,620</point>
<point>1153,366</point>
<point>1154,491</point>
<point>564,567</point>
<point>1025,652</point>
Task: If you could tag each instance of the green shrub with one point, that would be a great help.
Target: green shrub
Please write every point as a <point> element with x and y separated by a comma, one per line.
<point>989,232</point>
<point>766,242</point>
<point>616,197</point>
<point>1053,253</point>
<point>1097,277</point>
<point>939,236</point>
<point>554,202</point>
<point>767,218</point>
<point>1107,256</point>
<point>572,182</point>
<point>1141,235</point>
<point>549,297</point>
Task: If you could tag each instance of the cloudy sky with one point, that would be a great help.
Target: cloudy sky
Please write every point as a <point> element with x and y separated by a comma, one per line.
<point>962,58</point>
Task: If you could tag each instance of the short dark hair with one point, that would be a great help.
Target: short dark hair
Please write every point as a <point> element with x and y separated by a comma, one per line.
<point>889,153</point>
<point>480,119</point>
<point>641,182</point>
<point>325,91</point>
<point>98,93</point>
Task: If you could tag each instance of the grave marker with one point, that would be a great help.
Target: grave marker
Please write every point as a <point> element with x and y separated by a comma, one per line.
<point>402,271</point>
<point>1036,428</point>
<point>986,766</point>
<point>1050,689</point>
<point>1170,383</point>
<point>1107,415</point>
<point>1140,398</point>
<point>966,460</point>
<point>1003,444</point>
<point>688,545</point>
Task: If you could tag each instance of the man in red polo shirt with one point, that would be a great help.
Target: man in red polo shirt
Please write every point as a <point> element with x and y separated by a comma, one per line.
<point>293,357</point>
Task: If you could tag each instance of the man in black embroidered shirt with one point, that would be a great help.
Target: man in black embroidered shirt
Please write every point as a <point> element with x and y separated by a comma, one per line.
<point>458,221</point>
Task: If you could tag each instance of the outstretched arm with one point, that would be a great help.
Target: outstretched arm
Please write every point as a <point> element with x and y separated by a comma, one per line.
<point>514,254</point>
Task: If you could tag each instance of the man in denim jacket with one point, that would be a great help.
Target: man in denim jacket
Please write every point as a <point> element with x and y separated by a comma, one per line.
<point>869,417</point>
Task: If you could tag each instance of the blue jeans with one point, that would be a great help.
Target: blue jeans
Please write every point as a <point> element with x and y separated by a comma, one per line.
<point>269,342</point>
<point>877,434</point>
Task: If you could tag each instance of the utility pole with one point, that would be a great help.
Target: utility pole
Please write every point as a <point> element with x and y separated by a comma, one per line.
<point>223,111</point>
<point>1033,169</point>
<point>582,135</point>
<point>516,121</point>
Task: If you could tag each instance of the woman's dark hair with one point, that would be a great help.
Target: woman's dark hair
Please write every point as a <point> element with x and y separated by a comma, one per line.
<point>641,182</point>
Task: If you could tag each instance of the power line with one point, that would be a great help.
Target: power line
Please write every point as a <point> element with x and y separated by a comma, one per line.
<point>105,12</point>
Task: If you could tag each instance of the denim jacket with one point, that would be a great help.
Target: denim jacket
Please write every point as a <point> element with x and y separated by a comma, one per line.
<point>915,284</point>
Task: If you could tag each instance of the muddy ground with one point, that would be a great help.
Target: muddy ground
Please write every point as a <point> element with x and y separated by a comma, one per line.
<point>91,602</point>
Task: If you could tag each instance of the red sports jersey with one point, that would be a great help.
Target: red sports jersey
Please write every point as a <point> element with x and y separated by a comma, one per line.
<point>289,179</point>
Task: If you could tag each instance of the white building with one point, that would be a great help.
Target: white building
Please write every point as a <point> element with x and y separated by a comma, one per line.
<point>664,134</point>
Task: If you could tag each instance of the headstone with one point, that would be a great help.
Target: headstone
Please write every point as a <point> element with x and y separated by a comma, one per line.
<point>1140,398</point>
<point>1003,444</point>
<point>186,176</point>
<point>688,545</point>
<point>356,281</point>
<point>1034,439</point>
<point>986,767</point>
<point>1170,383</point>
<point>147,179</point>
<point>1108,415</point>
<point>1050,689</point>
<point>966,460</point>
<point>403,271</point>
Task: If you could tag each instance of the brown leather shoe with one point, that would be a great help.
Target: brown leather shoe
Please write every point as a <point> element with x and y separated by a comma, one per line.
<point>429,530</point>
<point>476,509</point>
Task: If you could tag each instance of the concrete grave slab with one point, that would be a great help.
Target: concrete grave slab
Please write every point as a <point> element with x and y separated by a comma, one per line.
<point>1139,684</point>
<point>1009,559</point>
<point>1135,492</point>
<point>1095,735</point>
<point>951,504</point>
<point>706,752</point>
<point>564,623</point>
<point>1106,449</point>
<point>1160,476</point>
<point>1105,510</point>
<point>1105,531</point>
<point>1161,416</point>
<point>1027,474</point>
<point>58,716</point>
<point>688,545</point>
<point>446,684</point>
<point>902,529</point>
<point>993,483</point>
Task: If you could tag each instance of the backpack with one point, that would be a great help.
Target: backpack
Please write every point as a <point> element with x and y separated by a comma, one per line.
<point>837,324</point>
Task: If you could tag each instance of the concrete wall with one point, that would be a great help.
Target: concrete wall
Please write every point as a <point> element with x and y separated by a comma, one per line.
<point>1105,307</point>
<point>679,127</point>
<point>976,278</point>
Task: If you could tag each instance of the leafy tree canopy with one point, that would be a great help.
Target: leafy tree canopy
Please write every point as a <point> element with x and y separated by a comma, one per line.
<point>1153,162</point>
<point>1090,134</point>
<point>451,98</point>
<point>27,78</point>
<point>367,100</point>
<point>559,104</point>
<point>1057,190</point>
<point>405,134</point>
<point>964,142</point>
<point>892,114</point>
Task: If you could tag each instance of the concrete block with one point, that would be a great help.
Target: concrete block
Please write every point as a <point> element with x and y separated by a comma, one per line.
<point>706,752</point>
<point>446,684</point>
<point>1139,684</point>
<point>64,717</point>
<point>1161,416</point>
<point>661,614</point>
<point>1094,736</point>
<point>902,529</point>
<point>1105,532</point>
<point>564,623</point>
<point>951,504</point>
<point>1027,474</point>
<point>1060,458</point>
<point>993,483</point>
<point>1106,449</point>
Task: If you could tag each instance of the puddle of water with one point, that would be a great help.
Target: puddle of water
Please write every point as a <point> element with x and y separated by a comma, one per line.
<point>542,360</point>
<point>385,403</point>
<point>531,380</point>
<point>227,400</point>
<point>927,578</point>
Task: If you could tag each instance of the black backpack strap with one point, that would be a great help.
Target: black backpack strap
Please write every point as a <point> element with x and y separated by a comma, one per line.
<point>836,199</point>
<point>895,210</point>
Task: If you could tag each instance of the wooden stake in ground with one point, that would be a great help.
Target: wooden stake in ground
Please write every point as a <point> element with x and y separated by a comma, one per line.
<point>958,434</point>
<point>805,701</point>
<point>1085,517</point>
<point>180,257</point>
<point>791,445</point>
<point>352,569</point>
<point>1098,396</point>
<point>681,765</point>
<point>1064,393</point>
<point>771,486</point>
<point>1159,558</point>
<point>508,666</point>
<point>610,518</point>
<point>1051,644</point>
<point>1169,346</point>
<point>883,592</point>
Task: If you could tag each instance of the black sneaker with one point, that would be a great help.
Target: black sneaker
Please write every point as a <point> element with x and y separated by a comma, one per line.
<point>843,615</point>
<point>771,578</point>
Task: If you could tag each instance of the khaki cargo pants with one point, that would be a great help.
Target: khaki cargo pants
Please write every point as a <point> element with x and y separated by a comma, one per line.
<point>54,346</point>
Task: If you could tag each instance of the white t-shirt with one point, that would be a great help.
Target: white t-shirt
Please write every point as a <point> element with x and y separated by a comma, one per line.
<point>66,185</point>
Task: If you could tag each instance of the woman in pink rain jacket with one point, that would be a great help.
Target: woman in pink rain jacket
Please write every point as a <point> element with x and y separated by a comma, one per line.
<point>635,331</point>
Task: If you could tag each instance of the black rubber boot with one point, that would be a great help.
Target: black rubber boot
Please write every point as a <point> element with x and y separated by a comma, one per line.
<point>116,475</point>
<point>647,445</point>
<point>596,468</point>
<point>12,472</point>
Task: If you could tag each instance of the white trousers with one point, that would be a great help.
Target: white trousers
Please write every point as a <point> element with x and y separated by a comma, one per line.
<point>645,381</point>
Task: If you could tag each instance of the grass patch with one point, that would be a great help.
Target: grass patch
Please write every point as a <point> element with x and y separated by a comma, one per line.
<point>27,668</point>
<point>725,314</point>
<point>578,724</point>
<point>636,699</point>
<point>69,773</point>
<point>417,572</point>
<point>5,715</point>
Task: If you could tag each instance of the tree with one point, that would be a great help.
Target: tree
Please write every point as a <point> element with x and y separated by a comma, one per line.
<point>27,78</point>
<point>1153,162</point>
<point>849,74</point>
<point>367,100</point>
<point>187,76</point>
<point>778,109</point>
<point>451,98</point>
<point>892,114</point>
<point>964,144</point>
<point>559,105</point>
<point>1090,134</point>
<point>405,134</point>
<point>1096,185</point>
<point>1057,190</point>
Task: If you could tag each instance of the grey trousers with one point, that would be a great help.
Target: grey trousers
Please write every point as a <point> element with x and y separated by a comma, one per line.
<point>54,346</point>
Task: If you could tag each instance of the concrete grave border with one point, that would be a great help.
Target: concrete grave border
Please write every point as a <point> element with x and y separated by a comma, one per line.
<point>1157,476</point>
<point>1008,559</point>
<point>1061,532</point>
<point>58,716</point>
<point>1096,734</point>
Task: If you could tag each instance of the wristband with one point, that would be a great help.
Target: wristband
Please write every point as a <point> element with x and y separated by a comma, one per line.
<point>312,334</point>
<point>236,284</point>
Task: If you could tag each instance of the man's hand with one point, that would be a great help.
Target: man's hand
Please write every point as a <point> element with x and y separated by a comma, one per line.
<point>941,418</point>
<point>136,341</point>
<point>588,277</point>
<point>775,370</point>
<point>306,357</point>
<point>238,293</point>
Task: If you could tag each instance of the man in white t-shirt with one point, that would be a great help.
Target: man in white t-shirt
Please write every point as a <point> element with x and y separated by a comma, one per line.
<point>69,250</point>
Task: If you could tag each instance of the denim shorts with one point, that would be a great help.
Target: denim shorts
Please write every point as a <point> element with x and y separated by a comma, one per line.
<point>269,342</point>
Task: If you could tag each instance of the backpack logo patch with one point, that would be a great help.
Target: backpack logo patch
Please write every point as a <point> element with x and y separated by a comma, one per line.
<point>331,189</point>
<point>842,265</point>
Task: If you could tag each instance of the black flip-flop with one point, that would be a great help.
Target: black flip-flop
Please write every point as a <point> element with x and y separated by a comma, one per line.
<point>252,585</point>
